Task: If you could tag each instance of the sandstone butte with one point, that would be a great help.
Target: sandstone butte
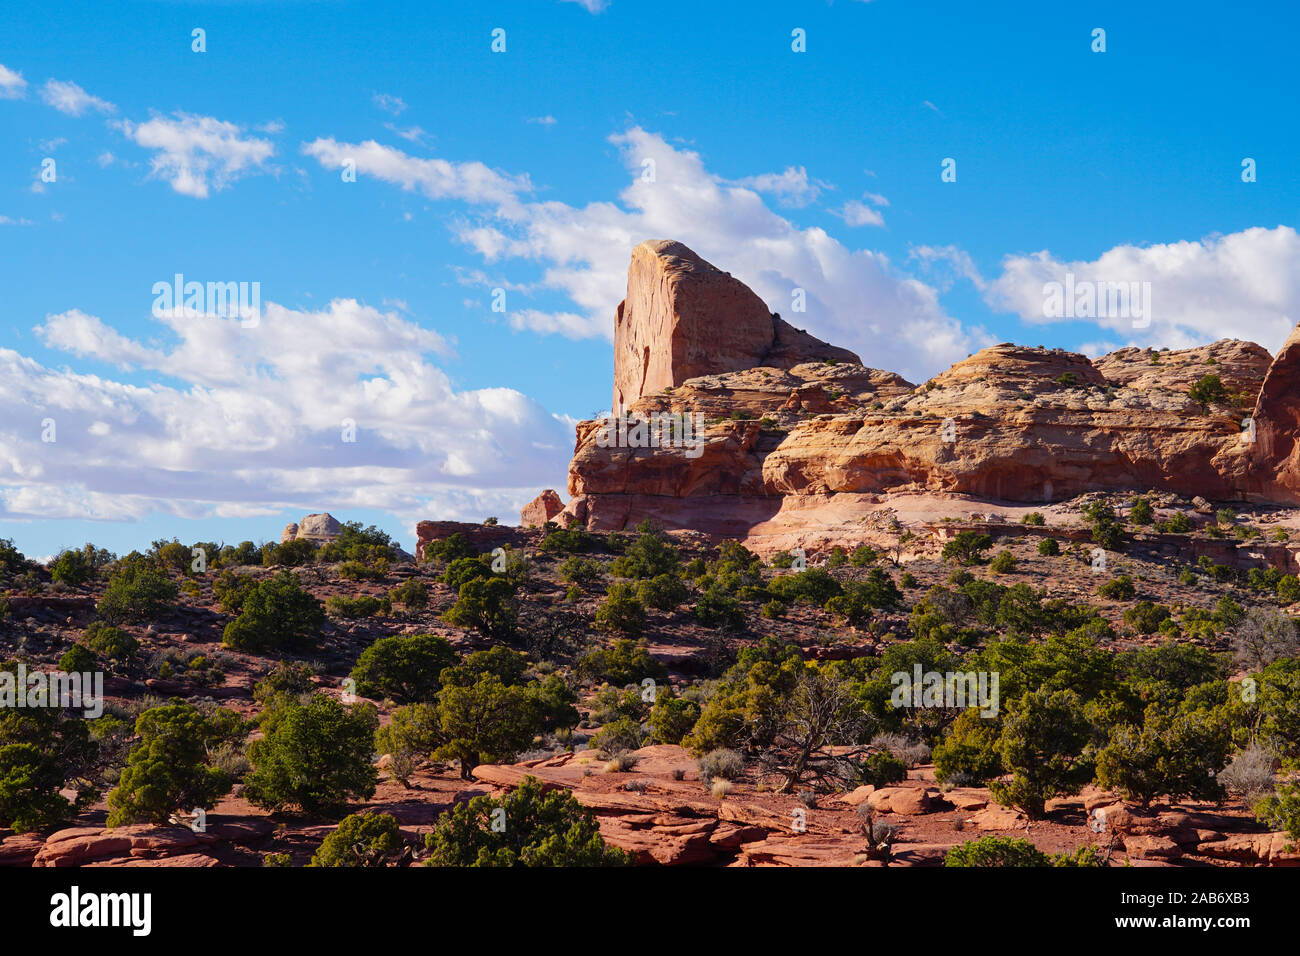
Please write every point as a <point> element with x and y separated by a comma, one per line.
<point>803,439</point>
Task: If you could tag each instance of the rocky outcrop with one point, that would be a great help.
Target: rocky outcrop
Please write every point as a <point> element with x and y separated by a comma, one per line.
<point>317,528</point>
<point>683,318</point>
<point>779,434</point>
<point>541,509</point>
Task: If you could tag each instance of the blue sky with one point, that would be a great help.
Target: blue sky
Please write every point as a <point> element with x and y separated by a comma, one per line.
<point>523,170</point>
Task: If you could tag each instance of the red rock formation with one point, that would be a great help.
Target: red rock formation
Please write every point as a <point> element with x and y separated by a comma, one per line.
<point>541,509</point>
<point>784,435</point>
<point>683,318</point>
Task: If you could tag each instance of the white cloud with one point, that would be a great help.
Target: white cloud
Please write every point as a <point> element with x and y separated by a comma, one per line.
<point>7,221</point>
<point>791,188</point>
<point>389,104</point>
<point>198,153</point>
<point>855,298</point>
<point>857,213</point>
<point>67,97</point>
<point>1242,285</point>
<point>543,120</point>
<point>246,421</point>
<point>436,178</point>
<point>12,84</point>
<point>591,6</point>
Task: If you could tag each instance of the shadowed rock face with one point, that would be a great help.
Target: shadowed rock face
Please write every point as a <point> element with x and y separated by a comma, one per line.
<point>1012,423</point>
<point>684,317</point>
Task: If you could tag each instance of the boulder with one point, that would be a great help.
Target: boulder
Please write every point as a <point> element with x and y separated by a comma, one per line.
<point>541,509</point>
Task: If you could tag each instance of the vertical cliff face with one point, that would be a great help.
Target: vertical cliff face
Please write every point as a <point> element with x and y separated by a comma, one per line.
<point>1276,454</point>
<point>684,318</point>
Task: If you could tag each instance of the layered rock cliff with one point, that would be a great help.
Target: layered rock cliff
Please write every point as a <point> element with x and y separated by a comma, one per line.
<point>788,420</point>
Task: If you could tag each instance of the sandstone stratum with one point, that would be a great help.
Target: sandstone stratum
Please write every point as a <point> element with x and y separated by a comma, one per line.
<point>796,437</point>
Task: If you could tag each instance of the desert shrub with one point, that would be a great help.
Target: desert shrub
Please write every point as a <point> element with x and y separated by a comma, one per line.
<point>996,851</point>
<point>968,753</point>
<point>290,554</point>
<point>882,768</point>
<point>1251,772</point>
<point>1106,528</point>
<point>648,555</point>
<point>542,828</point>
<point>863,555</point>
<point>1034,518</point>
<point>231,588</point>
<point>286,677</point>
<point>1178,523</point>
<point>621,611</point>
<point>171,767</point>
<point>663,592</point>
<point>721,764</point>
<point>351,608</point>
<point>1140,511</point>
<point>461,570</point>
<point>907,749</point>
<point>366,546</point>
<point>413,594</point>
<point>837,558</point>
<point>967,547</point>
<point>411,735</point>
<point>277,614</point>
<point>1145,617</point>
<point>488,605</point>
<point>362,839</point>
<point>110,643</point>
<point>1288,589</point>
<point>623,662</point>
<point>1175,755</point>
<point>1209,390</point>
<point>1004,562</point>
<point>672,717</point>
<point>486,721</point>
<point>1281,810</point>
<point>567,540</point>
<point>1118,588</point>
<point>1263,636</point>
<point>446,550</point>
<point>358,571</point>
<point>814,586</point>
<point>1049,547</point>
<point>243,554</point>
<point>716,608</point>
<point>773,609</point>
<point>137,593</point>
<point>583,571</point>
<point>618,737</point>
<point>406,669</point>
<point>76,659</point>
<point>72,567</point>
<point>1042,744</point>
<point>43,752</point>
<point>315,756</point>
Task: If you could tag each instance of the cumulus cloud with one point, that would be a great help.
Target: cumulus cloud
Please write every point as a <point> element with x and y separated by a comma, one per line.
<point>196,154</point>
<point>67,97</point>
<point>1242,285</point>
<point>251,420</point>
<point>791,188</point>
<point>855,297</point>
<point>471,182</point>
<point>12,84</point>
<point>857,213</point>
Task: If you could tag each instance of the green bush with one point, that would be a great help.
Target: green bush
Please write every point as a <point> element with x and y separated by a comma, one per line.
<point>721,764</point>
<point>672,717</point>
<point>230,590</point>
<point>1145,617</point>
<point>1209,390</point>
<point>352,608</point>
<point>968,753</point>
<point>967,547</point>
<point>584,571</point>
<point>172,767</point>
<point>1141,512</point>
<point>1118,588</point>
<point>716,608</point>
<point>77,659</point>
<point>413,594</point>
<point>1034,518</point>
<point>863,555</point>
<point>449,549</point>
<point>42,753</point>
<point>996,851</point>
<point>461,570</point>
<point>619,736</point>
<point>486,721</point>
<point>621,611</point>
<point>406,669</point>
<point>290,678</point>
<point>1049,547</point>
<point>647,556</point>
<point>1177,755</point>
<point>1042,744</point>
<point>292,554</point>
<point>277,614</point>
<point>72,567</point>
<point>315,756</point>
<point>1281,810</point>
<point>488,605</point>
<point>1004,562</point>
<point>623,662</point>
<point>137,593</point>
<point>664,592</point>
<point>530,826</point>
<point>362,839</point>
